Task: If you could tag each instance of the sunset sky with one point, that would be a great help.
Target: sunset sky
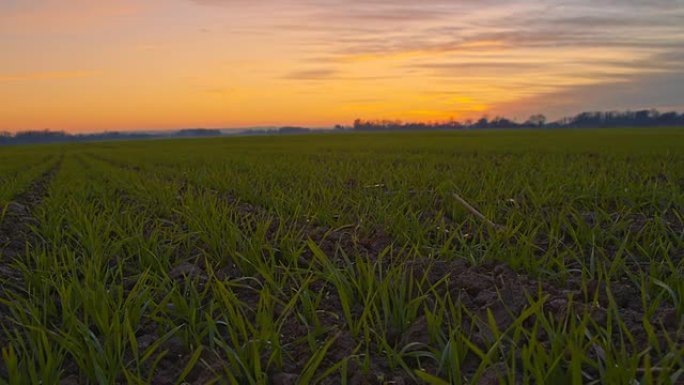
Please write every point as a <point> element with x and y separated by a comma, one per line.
<point>85,65</point>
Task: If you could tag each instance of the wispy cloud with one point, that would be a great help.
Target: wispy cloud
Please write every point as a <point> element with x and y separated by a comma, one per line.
<point>312,74</point>
<point>37,76</point>
<point>490,52</point>
<point>517,49</point>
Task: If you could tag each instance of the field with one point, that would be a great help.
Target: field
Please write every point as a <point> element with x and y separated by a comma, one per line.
<point>516,257</point>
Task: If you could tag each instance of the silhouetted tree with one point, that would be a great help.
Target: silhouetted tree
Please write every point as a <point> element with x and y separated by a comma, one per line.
<point>198,132</point>
<point>293,130</point>
<point>482,123</point>
<point>501,122</point>
<point>537,120</point>
<point>5,137</point>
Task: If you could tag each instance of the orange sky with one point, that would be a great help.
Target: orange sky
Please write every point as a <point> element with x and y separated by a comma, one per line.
<point>82,65</point>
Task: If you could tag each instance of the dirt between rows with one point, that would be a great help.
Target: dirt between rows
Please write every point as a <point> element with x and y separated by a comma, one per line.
<point>15,229</point>
<point>16,237</point>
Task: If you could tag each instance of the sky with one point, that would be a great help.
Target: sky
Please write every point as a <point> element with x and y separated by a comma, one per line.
<point>85,66</point>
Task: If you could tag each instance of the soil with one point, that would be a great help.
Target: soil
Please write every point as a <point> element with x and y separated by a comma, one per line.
<point>16,237</point>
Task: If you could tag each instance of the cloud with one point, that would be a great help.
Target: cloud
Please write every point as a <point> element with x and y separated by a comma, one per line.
<point>312,74</point>
<point>386,27</point>
<point>51,75</point>
<point>543,47</point>
<point>661,91</point>
<point>219,91</point>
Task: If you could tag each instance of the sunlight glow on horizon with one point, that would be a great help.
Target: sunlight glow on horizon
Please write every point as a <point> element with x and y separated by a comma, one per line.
<point>124,65</point>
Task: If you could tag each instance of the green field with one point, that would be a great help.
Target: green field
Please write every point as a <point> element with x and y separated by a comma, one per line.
<point>346,259</point>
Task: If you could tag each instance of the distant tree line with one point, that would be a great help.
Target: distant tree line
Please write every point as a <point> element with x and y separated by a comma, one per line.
<point>271,131</point>
<point>47,136</point>
<point>641,118</point>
